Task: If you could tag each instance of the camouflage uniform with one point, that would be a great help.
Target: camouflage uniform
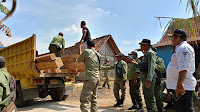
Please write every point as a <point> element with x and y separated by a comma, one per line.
<point>158,93</point>
<point>119,83</point>
<point>134,89</point>
<point>89,91</point>
<point>106,75</point>
<point>150,59</point>
<point>4,90</point>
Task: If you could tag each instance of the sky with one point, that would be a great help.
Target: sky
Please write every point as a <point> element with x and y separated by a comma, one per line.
<point>128,21</point>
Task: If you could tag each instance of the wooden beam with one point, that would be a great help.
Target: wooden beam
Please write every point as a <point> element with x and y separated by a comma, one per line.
<point>50,64</point>
<point>74,66</point>
<point>46,57</point>
<point>53,70</point>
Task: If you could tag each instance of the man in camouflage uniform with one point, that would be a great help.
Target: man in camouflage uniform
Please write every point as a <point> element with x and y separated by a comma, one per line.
<point>160,68</point>
<point>55,45</point>
<point>134,83</point>
<point>4,85</point>
<point>106,74</point>
<point>91,59</point>
<point>120,79</point>
<point>148,75</point>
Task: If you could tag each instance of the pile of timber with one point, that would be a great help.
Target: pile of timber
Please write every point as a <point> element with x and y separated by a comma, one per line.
<point>70,62</point>
<point>70,57</point>
<point>49,63</point>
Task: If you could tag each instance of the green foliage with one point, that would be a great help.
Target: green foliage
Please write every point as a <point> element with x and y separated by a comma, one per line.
<point>4,9</point>
<point>189,25</point>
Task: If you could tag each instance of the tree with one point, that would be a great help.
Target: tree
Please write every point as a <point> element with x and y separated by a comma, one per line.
<point>8,14</point>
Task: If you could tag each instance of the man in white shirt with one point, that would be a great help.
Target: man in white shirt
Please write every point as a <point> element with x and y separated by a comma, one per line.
<point>180,79</point>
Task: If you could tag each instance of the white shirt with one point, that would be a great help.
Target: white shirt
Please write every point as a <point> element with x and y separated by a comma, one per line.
<point>182,59</point>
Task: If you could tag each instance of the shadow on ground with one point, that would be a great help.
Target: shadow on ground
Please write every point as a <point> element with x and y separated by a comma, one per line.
<point>48,104</point>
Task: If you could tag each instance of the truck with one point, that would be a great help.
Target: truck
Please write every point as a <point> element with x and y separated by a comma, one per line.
<point>30,83</point>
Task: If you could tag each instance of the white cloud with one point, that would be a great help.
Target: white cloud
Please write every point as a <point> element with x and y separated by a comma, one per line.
<point>103,12</point>
<point>7,41</point>
<point>72,29</point>
<point>127,42</point>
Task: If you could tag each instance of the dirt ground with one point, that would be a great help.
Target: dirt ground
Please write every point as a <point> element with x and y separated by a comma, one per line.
<point>106,101</point>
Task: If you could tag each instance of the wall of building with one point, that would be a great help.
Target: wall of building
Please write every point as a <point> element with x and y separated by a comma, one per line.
<point>107,52</point>
<point>165,53</point>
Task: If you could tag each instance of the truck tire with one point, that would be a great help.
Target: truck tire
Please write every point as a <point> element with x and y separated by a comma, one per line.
<point>29,102</point>
<point>65,97</point>
<point>57,94</point>
<point>19,96</point>
<point>43,94</point>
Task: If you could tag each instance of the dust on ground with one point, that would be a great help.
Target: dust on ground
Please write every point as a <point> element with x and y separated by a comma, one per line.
<point>106,101</point>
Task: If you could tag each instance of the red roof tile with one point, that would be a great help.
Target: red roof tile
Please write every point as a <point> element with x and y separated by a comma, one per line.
<point>99,42</point>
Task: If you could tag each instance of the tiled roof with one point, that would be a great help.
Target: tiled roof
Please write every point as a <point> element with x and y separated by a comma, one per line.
<point>99,42</point>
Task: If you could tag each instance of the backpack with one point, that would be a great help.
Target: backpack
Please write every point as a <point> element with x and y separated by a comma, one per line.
<point>160,68</point>
<point>119,71</point>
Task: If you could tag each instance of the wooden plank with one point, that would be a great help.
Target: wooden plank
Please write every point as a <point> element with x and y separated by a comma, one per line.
<point>58,74</point>
<point>68,60</point>
<point>53,70</point>
<point>71,56</point>
<point>41,71</point>
<point>64,70</point>
<point>46,57</point>
<point>74,66</point>
<point>81,70</point>
<point>50,64</point>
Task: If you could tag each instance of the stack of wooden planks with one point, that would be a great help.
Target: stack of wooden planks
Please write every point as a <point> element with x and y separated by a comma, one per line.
<point>49,63</point>
<point>72,65</point>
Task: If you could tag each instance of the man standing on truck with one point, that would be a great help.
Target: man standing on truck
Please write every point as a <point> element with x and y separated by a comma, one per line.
<point>91,59</point>
<point>55,45</point>
<point>86,33</point>
<point>5,94</point>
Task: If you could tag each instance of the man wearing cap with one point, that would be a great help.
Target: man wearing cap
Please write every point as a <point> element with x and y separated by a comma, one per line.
<point>134,83</point>
<point>86,33</point>
<point>180,79</point>
<point>148,75</point>
<point>91,59</point>
<point>120,79</point>
<point>106,74</point>
<point>55,45</point>
<point>5,95</point>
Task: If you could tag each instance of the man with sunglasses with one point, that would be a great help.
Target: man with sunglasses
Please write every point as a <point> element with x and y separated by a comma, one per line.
<point>180,79</point>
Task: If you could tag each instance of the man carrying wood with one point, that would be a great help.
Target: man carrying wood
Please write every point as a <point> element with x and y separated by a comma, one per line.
<point>91,59</point>
<point>55,45</point>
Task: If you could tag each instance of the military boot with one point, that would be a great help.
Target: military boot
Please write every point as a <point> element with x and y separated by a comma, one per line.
<point>103,85</point>
<point>108,86</point>
<point>140,109</point>
<point>133,107</point>
<point>121,103</point>
<point>117,104</point>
